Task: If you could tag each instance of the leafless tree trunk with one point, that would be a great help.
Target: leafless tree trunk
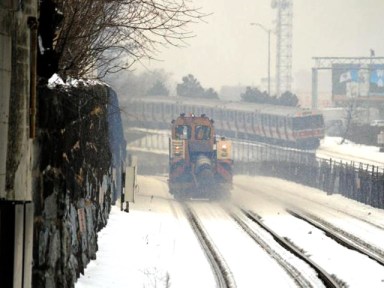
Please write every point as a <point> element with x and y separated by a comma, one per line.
<point>351,113</point>
<point>105,36</point>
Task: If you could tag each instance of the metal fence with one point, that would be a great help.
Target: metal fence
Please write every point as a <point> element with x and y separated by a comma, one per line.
<point>361,182</point>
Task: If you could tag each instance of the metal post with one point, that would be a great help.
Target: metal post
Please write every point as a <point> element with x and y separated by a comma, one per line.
<point>314,88</point>
<point>122,188</point>
<point>269,53</point>
<point>269,63</point>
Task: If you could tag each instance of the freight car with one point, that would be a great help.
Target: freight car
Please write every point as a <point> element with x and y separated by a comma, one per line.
<point>280,125</point>
<point>200,166</point>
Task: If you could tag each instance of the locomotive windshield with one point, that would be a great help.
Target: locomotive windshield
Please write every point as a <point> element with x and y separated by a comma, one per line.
<point>202,132</point>
<point>183,132</point>
<point>307,122</point>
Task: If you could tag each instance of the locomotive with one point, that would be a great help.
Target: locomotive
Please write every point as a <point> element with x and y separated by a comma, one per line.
<point>200,165</point>
<point>279,125</point>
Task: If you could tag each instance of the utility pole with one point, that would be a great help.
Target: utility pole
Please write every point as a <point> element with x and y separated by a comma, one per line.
<point>269,53</point>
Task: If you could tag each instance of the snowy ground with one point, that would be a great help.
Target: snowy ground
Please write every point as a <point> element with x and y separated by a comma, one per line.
<point>274,195</point>
<point>145,247</point>
<point>330,147</point>
<point>153,245</point>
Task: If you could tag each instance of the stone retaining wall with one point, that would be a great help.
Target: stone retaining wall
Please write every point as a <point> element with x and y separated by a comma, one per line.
<point>74,181</point>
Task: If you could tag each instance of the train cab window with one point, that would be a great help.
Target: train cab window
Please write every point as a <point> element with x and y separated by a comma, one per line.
<point>308,122</point>
<point>183,132</point>
<point>202,132</point>
<point>299,123</point>
<point>317,121</point>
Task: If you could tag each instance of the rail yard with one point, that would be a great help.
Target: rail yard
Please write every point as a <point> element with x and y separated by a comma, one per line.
<point>270,232</point>
<point>192,243</point>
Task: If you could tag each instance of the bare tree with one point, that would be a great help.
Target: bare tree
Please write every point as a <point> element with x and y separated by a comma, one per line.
<point>352,114</point>
<point>106,36</point>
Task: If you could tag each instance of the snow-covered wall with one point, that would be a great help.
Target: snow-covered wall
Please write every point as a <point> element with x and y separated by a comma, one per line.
<point>73,193</point>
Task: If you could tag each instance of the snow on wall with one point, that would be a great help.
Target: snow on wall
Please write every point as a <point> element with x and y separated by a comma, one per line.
<point>73,197</point>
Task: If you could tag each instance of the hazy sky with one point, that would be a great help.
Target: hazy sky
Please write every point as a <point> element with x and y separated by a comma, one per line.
<point>227,50</point>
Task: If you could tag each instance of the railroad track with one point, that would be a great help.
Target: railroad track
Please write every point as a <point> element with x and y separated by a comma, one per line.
<point>301,279</point>
<point>342,237</point>
<point>240,216</point>
<point>220,268</point>
<point>323,204</point>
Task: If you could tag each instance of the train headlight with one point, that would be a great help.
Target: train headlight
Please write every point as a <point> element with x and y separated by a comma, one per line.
<point>224,151</point>
<point>178,148</point>
<point>178,151</point>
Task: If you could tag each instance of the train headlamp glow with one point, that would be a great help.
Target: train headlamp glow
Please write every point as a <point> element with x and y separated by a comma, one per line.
<point>178,151</point>
<point>223,150</point>
<point>178,148</point>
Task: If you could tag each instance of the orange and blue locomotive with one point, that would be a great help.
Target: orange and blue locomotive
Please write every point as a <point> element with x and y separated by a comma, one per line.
<point>200,166</point>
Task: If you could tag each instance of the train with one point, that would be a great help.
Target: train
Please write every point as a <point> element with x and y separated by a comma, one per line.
<point>294,127</point>
<point>200,162</point>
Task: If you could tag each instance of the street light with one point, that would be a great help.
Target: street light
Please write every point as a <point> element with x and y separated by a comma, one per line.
<point>269,53</point>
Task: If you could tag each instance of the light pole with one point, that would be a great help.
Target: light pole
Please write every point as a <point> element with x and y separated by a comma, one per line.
<point>269,53</point>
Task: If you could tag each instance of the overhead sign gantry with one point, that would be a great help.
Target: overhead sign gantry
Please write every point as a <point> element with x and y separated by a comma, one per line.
<point>361,78</point>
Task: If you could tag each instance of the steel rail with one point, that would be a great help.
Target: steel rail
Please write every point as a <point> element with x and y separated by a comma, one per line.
<point>295,273</point>
<point>219,266</point>
<point>342,237</point>
<point>327,279</point>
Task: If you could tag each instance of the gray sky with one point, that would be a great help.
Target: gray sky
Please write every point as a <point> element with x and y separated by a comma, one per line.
<point>229,51</point>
